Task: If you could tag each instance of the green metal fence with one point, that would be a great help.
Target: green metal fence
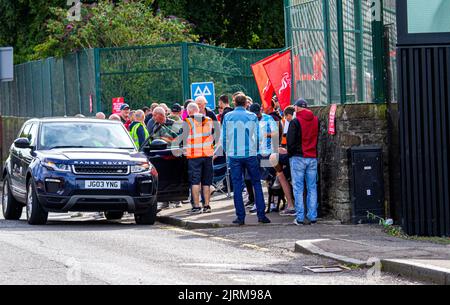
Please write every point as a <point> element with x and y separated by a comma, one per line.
<point>50,87</point>
<point>338,46</point>
<point>142,75</point>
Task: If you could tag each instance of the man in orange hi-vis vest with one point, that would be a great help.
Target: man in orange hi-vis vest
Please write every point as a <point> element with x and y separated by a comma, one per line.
<point>199,150</point>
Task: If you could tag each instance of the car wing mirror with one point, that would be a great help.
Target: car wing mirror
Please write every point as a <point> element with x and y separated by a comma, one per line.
<point>158,145</point>
<point>22,143</point>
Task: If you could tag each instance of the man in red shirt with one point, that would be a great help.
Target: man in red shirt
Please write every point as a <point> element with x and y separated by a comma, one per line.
<point>302,139</point>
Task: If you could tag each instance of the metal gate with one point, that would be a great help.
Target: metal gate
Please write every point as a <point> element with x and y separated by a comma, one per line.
<point>424,102</point>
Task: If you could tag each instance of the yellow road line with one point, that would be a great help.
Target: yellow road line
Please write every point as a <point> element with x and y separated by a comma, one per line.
<point>184,231</point>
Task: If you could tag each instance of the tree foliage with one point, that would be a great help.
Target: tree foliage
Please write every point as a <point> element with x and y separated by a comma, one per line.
<point>23,24</point>
<point>245,23</point>
<point>36,30</point>
<point>107,25</point>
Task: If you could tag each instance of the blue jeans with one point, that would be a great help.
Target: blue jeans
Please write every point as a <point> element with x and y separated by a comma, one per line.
<point>237,168</point>
<point>301,169</point>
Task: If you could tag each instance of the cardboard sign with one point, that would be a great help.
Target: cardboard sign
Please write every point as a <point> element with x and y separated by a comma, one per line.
<point>117,102</point>
<point>332,120</point>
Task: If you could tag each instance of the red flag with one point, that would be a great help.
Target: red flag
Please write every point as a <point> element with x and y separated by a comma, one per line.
<point>279,71</point>
<point>265,87</point>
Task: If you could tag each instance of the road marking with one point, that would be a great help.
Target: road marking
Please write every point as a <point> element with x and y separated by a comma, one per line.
<point>255,247</point>
<point>184,231</point>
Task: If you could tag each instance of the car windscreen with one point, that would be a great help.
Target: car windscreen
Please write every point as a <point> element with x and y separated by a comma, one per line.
<point>84,135</point>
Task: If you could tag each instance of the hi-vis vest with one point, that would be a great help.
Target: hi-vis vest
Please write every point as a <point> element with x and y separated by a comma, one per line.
<point>200,142</point>
<point>134,134</point>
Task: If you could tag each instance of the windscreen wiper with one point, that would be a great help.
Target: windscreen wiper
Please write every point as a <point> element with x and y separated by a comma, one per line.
<point>69,146</point>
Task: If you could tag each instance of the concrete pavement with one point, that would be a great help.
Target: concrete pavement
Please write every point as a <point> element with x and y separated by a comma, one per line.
<point>101,252</point>
<point>355,245</point>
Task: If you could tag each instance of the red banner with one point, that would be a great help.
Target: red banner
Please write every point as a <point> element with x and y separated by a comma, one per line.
<point>90,103</point>
<point>265,87</point>
<point>332,120</point>
<point>117,102</point>
<point>279,71</point>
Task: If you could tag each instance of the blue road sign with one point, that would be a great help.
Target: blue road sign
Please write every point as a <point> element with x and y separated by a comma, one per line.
<point>207,90</point>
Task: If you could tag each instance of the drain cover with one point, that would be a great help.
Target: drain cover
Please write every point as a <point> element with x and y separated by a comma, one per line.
<point>327,269</point>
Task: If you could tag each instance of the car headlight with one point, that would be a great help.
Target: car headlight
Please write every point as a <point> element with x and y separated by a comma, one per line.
<point>141,168</point>
<point>55,166</point>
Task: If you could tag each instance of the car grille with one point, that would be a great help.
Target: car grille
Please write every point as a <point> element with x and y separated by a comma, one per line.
<point>101,169</point>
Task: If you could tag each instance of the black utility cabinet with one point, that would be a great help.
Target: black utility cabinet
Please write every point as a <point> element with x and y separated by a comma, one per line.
<point>366,183</point>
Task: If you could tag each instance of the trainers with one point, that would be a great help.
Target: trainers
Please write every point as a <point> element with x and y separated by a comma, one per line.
<point>264,220</point>
<point>274,208</point>
<point>195,211</point>
<point>298,223</point>
<point>253,210</point>
<point>239,222</point>
<point>207,209</point>
<point>288,212</point>
<point>249,204</point>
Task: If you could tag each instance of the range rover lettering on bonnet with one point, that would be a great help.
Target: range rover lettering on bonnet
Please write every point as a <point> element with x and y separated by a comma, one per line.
<point>100,163</point>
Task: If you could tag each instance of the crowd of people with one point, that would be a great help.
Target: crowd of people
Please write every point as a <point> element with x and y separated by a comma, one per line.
<point>271,145</point>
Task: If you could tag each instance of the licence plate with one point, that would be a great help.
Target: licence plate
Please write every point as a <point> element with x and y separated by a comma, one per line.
<point>103,185</point>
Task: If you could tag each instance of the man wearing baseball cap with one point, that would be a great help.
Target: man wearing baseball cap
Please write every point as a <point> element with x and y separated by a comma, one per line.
<point>124,115</point>
<point>176,112</point>
<point>302,139</point>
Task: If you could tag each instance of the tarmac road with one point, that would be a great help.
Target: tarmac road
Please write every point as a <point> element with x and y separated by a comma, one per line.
<point>84,251</point>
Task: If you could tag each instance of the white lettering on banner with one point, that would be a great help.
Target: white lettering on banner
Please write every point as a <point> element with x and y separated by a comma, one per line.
<point>285,82</point>
<point>74,13</point>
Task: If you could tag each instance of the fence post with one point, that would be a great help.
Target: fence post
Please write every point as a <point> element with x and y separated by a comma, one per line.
<point>287,24</point>
<point>64,86</point>
<point>77,61</point>
<point>50,60</point>
<point>98,79</point>
<point>327,42</point>
<point>378,50</point>
<point>341,46</point>
<point>185,70</point>
<point>359,43</point>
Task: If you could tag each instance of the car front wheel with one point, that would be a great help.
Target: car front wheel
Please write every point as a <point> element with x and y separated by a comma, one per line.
<point>11,208</point>
<point>147,218</point>
<point>114,215</point>
<point>36,215</point>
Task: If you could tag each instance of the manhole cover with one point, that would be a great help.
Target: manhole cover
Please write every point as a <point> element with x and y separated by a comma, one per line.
<point>327,269</point>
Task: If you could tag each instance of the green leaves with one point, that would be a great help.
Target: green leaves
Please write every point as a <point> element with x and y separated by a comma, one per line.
<point>107,25</point>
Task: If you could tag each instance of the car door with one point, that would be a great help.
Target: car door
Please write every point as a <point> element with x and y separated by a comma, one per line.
<point>16,163</point>
<point>173,182</point>
<point>27,153</point>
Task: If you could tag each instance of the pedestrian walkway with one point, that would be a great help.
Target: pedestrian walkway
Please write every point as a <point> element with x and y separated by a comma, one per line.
<point>223,214</point>
<point>422,260</point>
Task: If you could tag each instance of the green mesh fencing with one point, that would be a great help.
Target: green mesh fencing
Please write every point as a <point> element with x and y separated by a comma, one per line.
<point>163,74</point>
<point>142,75</point>
<point>51,87</point>
<point>333,56</point>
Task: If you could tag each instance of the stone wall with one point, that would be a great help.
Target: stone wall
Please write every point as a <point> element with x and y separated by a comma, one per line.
<point>356,125</point>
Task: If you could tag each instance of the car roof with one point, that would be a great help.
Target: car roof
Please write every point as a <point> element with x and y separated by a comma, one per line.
<point>73,120</point>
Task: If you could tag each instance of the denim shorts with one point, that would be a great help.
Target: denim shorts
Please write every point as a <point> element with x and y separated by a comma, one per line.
<point>201,171</point>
